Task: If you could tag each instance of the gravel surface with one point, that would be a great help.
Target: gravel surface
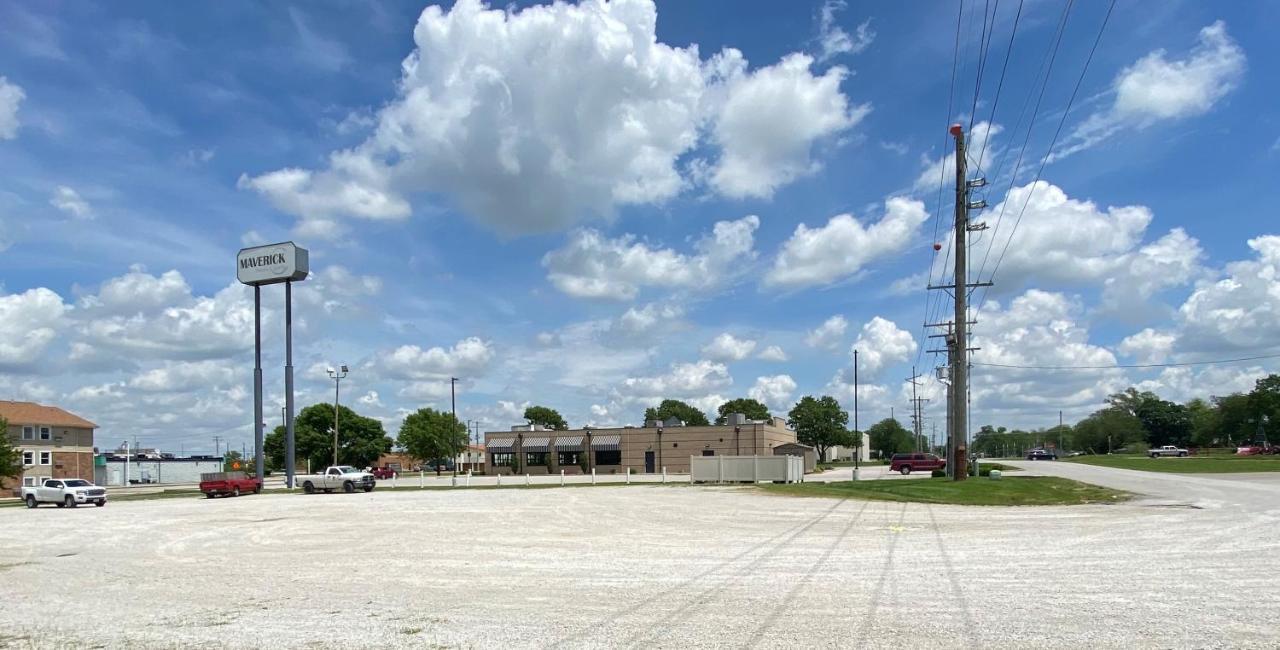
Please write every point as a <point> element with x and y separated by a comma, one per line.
<point>640,566</point>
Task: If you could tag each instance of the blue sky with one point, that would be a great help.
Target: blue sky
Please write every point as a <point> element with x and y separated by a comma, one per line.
<point>595,206</point>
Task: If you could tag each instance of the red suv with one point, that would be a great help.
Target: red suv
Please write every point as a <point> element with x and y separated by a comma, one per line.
<point>906,463</point>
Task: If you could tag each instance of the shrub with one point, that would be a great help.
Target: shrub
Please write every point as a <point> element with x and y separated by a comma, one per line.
<point>939,473</point>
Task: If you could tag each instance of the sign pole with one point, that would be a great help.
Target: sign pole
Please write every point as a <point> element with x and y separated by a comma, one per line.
<point>257,382</point>
<point>289,450</point>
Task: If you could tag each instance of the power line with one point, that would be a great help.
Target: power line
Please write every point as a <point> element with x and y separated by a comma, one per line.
<point>984,42</point>
<point>999,85</point>
<point>1171,364</point>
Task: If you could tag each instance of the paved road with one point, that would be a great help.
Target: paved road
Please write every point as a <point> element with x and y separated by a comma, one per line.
<point>643,567</point>
<point>1253,493</point>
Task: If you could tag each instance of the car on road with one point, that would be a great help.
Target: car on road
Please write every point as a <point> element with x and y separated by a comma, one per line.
<point>339,477</point>
<point>65,493</point>
<point>383,473</point>
<point>228,484</point>
<point>1168,450</point>
<point>1041,454</point>
<point>907,463</point>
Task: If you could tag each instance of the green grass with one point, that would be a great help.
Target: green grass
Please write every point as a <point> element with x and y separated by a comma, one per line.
<point>1009,491</point>
<point>1188,465</point>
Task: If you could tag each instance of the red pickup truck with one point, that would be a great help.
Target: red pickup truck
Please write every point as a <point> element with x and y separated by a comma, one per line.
<point>227,484</point>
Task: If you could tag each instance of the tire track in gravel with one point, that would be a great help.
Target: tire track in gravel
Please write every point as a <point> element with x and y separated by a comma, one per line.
<point>669,621</point>
<point>885,570</point>
<point>787,600</point>
<point>593,629</point>
<point>957,591</point>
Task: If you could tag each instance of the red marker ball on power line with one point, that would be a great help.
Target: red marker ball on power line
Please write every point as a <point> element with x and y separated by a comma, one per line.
<point>937,247</point>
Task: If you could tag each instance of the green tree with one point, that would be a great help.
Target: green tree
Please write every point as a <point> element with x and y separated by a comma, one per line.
<point>1234,415</point>
<point>1131,400</point>
<point>819,423</point>
<point>1108,429</point>
<point>888,437</point>
<point>751,408</point>
<point>361,440</point>
<point>430,436</point>
<point>547,417</point>
<point>10,456</point>
<point>1205,426</point>
<point>1264,401</point>
<point>1166,423</point>
<point>679,410</point>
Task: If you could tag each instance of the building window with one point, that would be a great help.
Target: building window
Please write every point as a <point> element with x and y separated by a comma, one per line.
<point>31,481</point>
<point>609,457</point>
<point>535,458</point>
<point>28,433</point>
<point>503,460</point>
<point>570,458</point>
<point>46,433</point>
<point>46,458</point>
<point>28,458</point>
<point>708,452</point>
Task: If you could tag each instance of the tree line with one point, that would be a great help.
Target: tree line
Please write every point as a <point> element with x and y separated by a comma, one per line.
<point>1136,418</point>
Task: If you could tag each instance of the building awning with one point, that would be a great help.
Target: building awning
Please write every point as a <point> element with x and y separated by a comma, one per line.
<point>569,443</point>
<point>500,445</point>
<point>608,442</point>
<point>537,444</point>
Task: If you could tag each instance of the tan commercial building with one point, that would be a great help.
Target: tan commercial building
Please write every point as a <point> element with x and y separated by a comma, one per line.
<point>53,443</point>
<point>648,449</point>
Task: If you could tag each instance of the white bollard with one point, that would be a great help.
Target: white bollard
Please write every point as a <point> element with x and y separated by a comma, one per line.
<point>454,480</point>
<point>499,479</point>
<point>395,483</point>
<point>593,476</point>
<point>628,476</point>
<point>664,474</point>
<point>421,474</point>
<point>468,478</point>
<point>561,478</point>
<point>527,480</point>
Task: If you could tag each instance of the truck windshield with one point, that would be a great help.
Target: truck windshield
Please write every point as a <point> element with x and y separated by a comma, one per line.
<point>77,483</point>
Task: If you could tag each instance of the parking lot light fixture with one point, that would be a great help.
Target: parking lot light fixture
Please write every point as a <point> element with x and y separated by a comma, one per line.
<point>336,376</point>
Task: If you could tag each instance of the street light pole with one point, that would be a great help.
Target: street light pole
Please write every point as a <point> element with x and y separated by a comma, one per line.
<point>857,450</point>
<point>337,376</point>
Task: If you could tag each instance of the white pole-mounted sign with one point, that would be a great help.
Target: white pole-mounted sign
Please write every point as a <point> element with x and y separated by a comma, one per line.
<point>283,262</point>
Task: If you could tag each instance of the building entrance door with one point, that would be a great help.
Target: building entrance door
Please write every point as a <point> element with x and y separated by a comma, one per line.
<point>648,462</point>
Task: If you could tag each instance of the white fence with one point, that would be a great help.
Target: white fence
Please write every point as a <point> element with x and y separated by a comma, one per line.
<point>746,469</point>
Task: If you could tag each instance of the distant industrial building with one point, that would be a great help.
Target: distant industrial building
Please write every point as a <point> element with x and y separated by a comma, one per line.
<point>155,468</point>
<point>658,444</point>
<point>54,443</point>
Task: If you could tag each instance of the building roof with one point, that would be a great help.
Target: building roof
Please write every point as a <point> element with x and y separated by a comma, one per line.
<point>32,413</point>
<point>794,444</point>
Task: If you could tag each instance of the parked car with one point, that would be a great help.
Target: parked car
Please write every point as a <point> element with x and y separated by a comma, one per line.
<point>383,473</point>
<point>1041,454</point>
<point>1168,450</point>
<point>343,477</point>
<point>66,493</point>
<point>228,484</point>
<point>907,463</point>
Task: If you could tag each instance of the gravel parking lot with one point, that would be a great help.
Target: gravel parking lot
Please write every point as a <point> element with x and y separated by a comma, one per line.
<point>651,566</point>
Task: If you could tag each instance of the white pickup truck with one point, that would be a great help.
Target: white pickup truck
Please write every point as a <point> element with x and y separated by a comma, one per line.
<point>66,493</point>
<point>338,477</point>
<point>1167,450</point>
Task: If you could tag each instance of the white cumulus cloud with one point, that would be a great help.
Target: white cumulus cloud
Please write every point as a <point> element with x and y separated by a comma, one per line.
<point>844,246</point>
<point>727,347</point>
<point>772,353</point>
<point>774,392</point>
<point>829,334</point>
<point>11,96</point>
<point>70,202</point>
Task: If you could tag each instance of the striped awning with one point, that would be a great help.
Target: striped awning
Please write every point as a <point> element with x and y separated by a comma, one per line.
<point>500,445</point>
<point>569,443</point>
<point>537,444</point>
<point>608,442</point>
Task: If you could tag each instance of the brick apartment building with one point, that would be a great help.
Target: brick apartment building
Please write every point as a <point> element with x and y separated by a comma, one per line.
<point>54,443</point>
<point>648,449</point>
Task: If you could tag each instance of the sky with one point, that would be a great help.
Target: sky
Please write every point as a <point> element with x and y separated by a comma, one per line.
<point>594,206</point>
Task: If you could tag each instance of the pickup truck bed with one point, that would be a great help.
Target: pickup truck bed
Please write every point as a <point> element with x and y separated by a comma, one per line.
<point>228,484</point>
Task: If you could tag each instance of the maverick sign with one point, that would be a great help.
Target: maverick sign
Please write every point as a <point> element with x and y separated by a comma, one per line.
<point>270,264</point>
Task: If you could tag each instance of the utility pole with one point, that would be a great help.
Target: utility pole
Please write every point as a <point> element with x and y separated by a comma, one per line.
<point>217,445</point>
<point>336,375</point>
<point>857,450</point>
<point>453,399</point>
<point>915,410</point>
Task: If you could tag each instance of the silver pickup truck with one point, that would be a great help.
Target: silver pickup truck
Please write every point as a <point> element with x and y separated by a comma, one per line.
<point>1167,450</point>
<point>338,477</point>
<point>65,493</point>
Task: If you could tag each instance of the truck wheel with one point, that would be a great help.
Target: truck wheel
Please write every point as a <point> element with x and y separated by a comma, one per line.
<point>1155,455</point>
<point>906,469</point>
<point>308,488</point>
<point>70,501</point>
<point>99,503</point>
<point>367,488</point>
<point>31,501</point>
<point>348,487</point>
<point>236,491</point>
<point>208,495</point>
<point>1182,454</point>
